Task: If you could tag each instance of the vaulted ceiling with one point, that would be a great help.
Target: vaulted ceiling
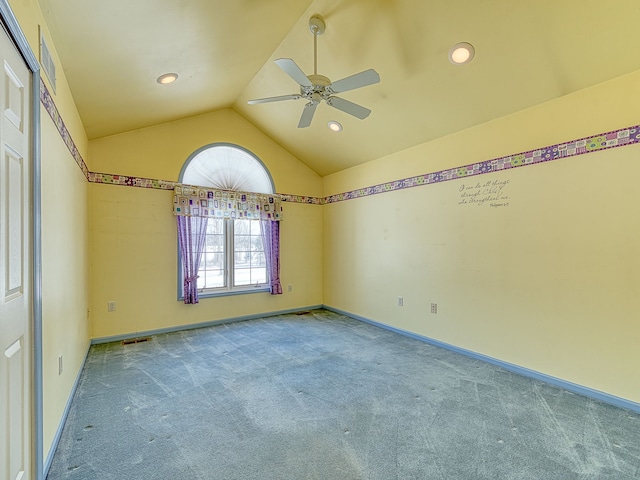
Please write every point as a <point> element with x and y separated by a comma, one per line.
<point>527,52</point>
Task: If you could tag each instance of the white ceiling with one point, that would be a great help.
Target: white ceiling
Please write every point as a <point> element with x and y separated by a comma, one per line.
<point>527,52</point>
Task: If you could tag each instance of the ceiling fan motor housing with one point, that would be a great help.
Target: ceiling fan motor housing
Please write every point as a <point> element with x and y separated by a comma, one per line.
<point>317,25</point>
<point>319,80</point>
<point>319,88</point>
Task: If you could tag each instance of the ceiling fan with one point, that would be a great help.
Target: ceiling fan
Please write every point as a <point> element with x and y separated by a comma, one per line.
<point>316,88</point>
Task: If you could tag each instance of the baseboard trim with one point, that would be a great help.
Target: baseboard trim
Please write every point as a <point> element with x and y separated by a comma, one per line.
<point>558,382</point>
<point>65,413</point>
<point>192,326</point>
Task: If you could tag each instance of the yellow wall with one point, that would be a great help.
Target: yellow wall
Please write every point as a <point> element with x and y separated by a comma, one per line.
<point>133,230</point>
<point>159,152</point>
<point>549,283</point>
<point>65,246</point>
<point>65,275</point>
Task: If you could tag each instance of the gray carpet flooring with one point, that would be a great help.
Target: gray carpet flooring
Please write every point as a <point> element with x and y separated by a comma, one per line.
<point>323,396</point>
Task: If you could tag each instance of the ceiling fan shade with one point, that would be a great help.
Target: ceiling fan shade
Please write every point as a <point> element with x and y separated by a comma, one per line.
<point>316,88</point>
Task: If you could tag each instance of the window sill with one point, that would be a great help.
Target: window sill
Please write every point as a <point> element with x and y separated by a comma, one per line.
<point>229,293</point>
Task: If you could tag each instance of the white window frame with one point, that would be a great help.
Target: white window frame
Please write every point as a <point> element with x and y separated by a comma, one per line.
<point>229,224</point>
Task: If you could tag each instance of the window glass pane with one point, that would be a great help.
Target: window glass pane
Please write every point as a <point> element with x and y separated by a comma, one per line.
<point>249,260</point>
<point>214,261</point>
<point>215,226</point>
<point>256,244</point>
<point>258,275</point>
<point>214,243</point>
<point>242,243</point>
<point>242,227</point>
<point>240,260</point>
<point>258,260</point>
<point>242,276</point>
<point>255,227</point>
<point>212,278</point>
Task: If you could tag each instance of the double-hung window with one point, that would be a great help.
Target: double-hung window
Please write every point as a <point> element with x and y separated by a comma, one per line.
<point>233,256</point>
<point>233,260</point>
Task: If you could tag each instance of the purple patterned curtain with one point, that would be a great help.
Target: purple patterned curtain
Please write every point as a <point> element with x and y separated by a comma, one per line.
<point>271,243</point>
<point>191,239</point>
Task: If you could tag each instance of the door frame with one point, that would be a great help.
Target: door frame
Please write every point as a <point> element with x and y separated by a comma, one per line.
<point>12,27</point>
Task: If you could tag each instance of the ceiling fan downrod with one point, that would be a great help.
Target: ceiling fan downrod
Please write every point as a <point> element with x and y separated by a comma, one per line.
<point>317,27</point>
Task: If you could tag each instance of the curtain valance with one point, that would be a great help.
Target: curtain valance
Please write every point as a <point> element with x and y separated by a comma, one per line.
<point>213,203</point>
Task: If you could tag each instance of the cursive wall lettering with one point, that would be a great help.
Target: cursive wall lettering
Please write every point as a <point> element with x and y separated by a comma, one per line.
<point>492,193</point>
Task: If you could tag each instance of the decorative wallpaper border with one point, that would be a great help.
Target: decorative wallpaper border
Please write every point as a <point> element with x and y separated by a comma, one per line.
<point>602,141</point>
<point>127,181</point>
<point>50,107</point>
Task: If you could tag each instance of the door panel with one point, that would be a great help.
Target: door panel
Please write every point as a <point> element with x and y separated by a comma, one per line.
<point>15,266</point>
<point>14,195</point>
<point>14,362</point>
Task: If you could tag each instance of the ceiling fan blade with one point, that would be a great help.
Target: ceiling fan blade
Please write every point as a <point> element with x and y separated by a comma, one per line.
<point>348,107</point>
<point>362,79</point>
<point>293,70</point>
<point>307,114</point>
<point>274,99</point>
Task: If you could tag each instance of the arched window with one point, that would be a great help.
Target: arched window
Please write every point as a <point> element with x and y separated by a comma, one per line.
<point>228,167</point>
<point>237,253</point>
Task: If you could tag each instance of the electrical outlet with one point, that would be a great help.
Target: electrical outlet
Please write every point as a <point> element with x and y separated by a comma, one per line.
<point>59,364</point>
<point>400,301</point>
<point>111,306</point>
<point>289,288</point>
<point>434,308</point>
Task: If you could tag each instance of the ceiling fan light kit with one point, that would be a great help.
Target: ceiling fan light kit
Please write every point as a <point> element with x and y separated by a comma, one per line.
<point>316,88</point>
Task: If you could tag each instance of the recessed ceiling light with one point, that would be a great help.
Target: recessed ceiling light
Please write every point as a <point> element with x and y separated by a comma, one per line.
<point>461,53</point>
<point>334,126</point>
<point>167,78</point>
